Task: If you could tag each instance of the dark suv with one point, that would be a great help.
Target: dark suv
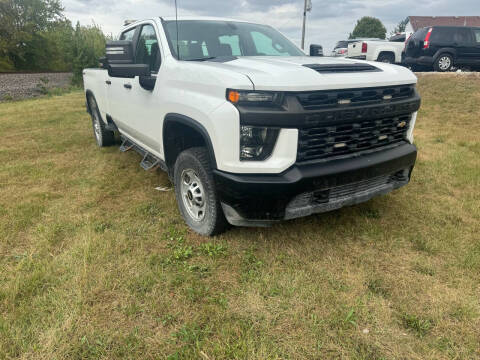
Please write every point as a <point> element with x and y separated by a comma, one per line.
<point>443,47</point>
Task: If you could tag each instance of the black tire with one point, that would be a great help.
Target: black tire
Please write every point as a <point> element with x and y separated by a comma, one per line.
<point>443,62</point>
<point>103,137</point>
<point>200,208</point>
<point>386,58</point>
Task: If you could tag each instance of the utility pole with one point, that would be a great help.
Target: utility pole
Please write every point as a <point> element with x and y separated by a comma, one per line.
<point>306,7</point>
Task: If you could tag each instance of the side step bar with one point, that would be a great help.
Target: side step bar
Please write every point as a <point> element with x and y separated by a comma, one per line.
<point>149,161</point>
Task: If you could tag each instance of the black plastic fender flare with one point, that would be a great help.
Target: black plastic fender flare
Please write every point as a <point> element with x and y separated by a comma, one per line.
<point>195,125</point>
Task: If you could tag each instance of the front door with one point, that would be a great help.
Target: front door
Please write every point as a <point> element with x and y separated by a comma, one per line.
<point>118,91</point>
<point>142,120</point>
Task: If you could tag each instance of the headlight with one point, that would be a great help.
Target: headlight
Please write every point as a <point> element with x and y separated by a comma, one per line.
<point>259,98</point>
<point>257,143</point>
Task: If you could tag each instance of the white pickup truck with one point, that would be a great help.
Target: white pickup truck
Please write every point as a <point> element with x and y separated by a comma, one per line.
<point>389,52</point>
<point>251,130</point>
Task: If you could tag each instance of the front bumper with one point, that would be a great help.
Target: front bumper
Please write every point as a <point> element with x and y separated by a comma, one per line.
<point>304,189</point>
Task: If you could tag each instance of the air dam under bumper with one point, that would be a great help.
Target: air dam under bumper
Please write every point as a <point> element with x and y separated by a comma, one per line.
<point>304,189</point>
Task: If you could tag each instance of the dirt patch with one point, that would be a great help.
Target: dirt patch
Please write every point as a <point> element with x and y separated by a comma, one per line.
<point>26,85</point>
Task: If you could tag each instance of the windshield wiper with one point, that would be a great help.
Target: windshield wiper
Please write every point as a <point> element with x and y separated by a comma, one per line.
<point>201,59</point>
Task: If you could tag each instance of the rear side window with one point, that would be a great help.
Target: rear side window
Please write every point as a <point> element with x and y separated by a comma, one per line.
<point>462,36</point>
<point>451,35</point>
<point>127,35</point>
<point>476,35</point>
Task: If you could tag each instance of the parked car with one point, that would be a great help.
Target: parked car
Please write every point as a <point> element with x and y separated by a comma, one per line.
<point>444,47</point>
<point>316,50</point>
<point>377,50</point>
<point>249,129</point>
<point>399,37</point>
<point>341,48</point>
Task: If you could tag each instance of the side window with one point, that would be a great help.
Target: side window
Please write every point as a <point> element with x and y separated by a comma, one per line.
<point>476,35</point>
<point>462,36</point>
<point>443,35</point>
<point>148,51</point>
<point>265,46</point>
<point>127,35</point>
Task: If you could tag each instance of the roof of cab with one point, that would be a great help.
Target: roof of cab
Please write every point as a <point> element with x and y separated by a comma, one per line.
<point>200,18</point>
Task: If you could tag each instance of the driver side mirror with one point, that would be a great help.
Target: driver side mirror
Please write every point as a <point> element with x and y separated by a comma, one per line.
<point>119,60</point>
<point>316,50</point>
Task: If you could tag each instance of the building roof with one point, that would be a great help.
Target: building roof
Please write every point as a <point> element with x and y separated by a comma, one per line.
<point>419,22</point>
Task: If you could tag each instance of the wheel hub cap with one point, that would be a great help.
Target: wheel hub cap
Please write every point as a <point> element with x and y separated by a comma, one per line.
<point>192,192</point>
<point>444,63</point>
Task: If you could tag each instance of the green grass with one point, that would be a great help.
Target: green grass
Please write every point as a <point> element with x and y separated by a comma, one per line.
<point>95,263</point>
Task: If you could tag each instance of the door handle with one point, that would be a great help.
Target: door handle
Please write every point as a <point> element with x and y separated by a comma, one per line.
<point>127,86</point>
<point>108,82</point>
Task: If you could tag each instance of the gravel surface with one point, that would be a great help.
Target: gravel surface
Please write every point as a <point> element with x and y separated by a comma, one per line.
<point>25,85</point>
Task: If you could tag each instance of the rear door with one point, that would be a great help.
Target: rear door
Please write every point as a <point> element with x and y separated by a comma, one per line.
<point>463,42</point>
<point>476,46</point>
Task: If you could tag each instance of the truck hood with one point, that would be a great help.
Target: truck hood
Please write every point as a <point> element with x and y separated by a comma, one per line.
<point>287,73</point>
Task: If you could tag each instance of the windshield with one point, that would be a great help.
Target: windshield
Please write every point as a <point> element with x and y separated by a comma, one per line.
<point>198,39</point>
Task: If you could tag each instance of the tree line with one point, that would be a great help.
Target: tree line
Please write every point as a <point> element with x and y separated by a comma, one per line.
<point>36,36</point>
<point>371,27</point>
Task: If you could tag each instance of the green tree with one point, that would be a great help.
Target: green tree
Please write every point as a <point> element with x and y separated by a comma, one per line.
<point>87,47</point>
<point>400,28</point>
<point>34,35</point>
<point>22,23</point>
<point>368,27</point>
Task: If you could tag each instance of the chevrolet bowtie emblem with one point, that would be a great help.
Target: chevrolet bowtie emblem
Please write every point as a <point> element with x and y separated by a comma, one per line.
<point>339,145</point>
<point>387,97</point>
<point>344,101</point>
<point>402,124</point>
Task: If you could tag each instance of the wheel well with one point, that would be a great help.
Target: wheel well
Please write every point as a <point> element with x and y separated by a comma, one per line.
<point>179,135</point>
<point>387,53</point>
<point>88,94</point>
<point>445,53</point>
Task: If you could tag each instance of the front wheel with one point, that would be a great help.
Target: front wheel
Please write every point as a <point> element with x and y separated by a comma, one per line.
<point>195,192</point>
<point>443,63</point>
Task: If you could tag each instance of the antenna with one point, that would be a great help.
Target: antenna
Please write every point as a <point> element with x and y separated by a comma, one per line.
<point>176,24</point>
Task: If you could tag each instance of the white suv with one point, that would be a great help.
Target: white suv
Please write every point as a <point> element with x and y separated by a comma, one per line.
<point>250,129</point>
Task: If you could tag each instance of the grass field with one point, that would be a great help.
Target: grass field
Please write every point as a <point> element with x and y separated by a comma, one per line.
<point>96,264</point>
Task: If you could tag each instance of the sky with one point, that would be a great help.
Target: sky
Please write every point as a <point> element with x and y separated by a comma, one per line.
<point>328,22</point>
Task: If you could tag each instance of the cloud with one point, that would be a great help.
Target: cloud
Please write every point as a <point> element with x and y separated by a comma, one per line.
<point>328,22</point>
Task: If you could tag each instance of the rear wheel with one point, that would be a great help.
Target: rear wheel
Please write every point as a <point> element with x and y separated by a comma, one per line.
<point>195,192</point>
<point>103,137</point>
<point>443,63</point>
<point>386,58</point>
